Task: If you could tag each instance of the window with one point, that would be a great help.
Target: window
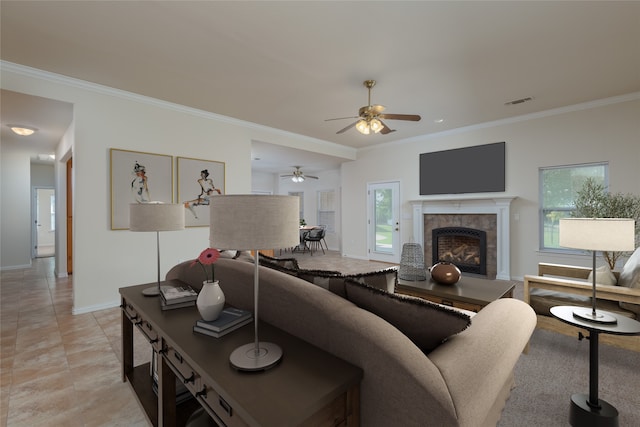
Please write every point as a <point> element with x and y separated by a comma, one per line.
<point>327,210</point>
<point>301,195</point>
<point>559,186</point>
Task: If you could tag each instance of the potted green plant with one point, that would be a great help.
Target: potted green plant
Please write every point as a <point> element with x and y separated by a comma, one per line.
<point>593,201</point>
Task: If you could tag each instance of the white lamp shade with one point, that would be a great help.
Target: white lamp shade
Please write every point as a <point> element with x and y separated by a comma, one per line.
<point>598,234</point>
<point>156,216</point>
<point>246,222</point>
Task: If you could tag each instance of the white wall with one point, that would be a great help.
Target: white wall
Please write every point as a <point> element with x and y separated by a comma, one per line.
<point>15,206</point>
<point>105,260</point>
<point>590,133</point>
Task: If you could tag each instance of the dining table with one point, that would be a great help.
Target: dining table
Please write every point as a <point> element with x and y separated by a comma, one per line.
<point>302,246</point>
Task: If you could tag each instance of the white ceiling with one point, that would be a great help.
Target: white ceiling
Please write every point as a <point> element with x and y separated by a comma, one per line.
<point>291,65</point>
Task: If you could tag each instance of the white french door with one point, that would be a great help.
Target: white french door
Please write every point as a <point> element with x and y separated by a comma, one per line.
<point>383,222</point>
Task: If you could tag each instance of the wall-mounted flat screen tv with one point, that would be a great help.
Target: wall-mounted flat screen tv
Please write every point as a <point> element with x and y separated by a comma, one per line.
<point>478,169</point>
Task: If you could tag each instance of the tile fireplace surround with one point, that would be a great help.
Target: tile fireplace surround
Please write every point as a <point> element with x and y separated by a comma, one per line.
<point>462,205</point>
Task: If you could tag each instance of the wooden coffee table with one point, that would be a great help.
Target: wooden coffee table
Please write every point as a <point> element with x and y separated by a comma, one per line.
<point>470,293</point>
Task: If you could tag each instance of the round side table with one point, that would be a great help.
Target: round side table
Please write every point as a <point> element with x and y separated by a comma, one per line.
<point>589,410</point>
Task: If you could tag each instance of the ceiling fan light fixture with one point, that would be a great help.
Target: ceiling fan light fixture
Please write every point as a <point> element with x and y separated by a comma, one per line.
<point>297,178</point>
<point>22,130</point>
<point>375,125</point>
<point>363,127</point>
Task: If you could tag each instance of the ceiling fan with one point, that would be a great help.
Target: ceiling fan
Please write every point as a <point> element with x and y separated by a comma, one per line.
<point>298,175</point>
<point>370,117</point>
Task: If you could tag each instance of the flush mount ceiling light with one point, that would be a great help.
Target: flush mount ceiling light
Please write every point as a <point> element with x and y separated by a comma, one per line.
<point>45,157</point>
<point>22,130</point>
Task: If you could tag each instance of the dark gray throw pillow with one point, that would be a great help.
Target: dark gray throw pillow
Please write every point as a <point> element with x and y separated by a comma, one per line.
<point>289,263</point>
<point>425,323</point>
<point>386,279</point>
<point>330,280</point>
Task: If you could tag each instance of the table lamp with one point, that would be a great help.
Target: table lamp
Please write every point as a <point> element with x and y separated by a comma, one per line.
<point>156,216</point>
<point>254,222</point>
<point>597,234</point>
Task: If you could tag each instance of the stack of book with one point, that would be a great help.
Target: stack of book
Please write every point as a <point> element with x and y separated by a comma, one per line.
<point>177,297</point>
<point>229,320</point>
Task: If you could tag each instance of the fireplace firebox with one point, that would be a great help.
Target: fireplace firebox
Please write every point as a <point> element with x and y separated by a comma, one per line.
<point>462,246</point>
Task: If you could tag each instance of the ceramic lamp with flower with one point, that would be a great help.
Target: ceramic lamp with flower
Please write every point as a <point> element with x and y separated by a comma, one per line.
<point>211,299</point>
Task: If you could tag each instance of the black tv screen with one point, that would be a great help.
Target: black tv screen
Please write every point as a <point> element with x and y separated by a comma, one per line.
<point>478,169</point>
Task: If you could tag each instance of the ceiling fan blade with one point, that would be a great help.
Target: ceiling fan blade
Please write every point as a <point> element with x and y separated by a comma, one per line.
<point>341,118</point>
<point>346,128</point>
<point>286,176</point>
<point>410,117</point>
<point>311,176</point>
<point>385,129</point>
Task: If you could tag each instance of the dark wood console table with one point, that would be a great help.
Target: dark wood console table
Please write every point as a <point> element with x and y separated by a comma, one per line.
<point>308,387</point>
<point>470,293</point>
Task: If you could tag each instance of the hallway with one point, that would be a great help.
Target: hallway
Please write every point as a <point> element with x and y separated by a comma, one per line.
<point>57,368</point>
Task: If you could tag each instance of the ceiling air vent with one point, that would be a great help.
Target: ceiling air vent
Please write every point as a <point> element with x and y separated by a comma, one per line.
<point>519,101</point>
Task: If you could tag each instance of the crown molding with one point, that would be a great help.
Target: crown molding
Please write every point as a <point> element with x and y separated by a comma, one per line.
<point>106,90</point>
<point>633,96</point>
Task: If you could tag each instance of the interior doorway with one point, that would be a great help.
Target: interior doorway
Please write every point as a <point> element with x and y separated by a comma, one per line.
<point>44,223</point>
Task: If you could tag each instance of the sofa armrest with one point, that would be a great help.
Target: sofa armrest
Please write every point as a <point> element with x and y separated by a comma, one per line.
<point>479,361</point>
<point>607,292</point>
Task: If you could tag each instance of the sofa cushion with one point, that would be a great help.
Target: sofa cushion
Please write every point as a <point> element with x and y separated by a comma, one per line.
<point>630,278</point>
<point>541,300</point>
<point>386,279</point>
<point>604,276</point>
<point>423,322</point>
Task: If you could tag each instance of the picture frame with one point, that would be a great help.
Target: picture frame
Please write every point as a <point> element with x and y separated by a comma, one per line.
<point>198,180</point>
<point>138,177</point>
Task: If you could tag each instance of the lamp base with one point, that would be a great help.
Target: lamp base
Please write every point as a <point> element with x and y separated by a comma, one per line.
<point>584,414</point>
<point>152,291</point>
<point>599,317</point>
<point>244,358</point>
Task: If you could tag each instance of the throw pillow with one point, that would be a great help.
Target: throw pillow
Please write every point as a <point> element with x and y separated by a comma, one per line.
<point>386,279</point>
<point>244,256</point>
<point>225,253</point>
<point>630,278</point>
<point>423,322</point>
<point>330,280</point>
<point>604,276</point>
<point>290,263</point>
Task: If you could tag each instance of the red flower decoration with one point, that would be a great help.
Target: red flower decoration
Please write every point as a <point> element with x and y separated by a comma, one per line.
<point>207,257</point>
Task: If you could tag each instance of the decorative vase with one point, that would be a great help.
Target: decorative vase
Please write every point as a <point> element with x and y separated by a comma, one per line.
<point>445,273</point>
<point>210,300</point>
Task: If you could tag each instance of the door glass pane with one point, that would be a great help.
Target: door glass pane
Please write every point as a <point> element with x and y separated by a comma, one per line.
<point>383,219</point>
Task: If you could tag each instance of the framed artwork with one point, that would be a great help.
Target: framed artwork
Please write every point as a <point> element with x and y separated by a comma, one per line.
<point>137,178</point>
<point>198,181</point>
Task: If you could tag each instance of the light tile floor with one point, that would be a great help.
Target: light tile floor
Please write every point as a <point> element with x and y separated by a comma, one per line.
<point>57,369</point>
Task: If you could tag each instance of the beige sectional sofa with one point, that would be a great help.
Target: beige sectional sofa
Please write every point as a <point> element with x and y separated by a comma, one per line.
<point>464,381</point>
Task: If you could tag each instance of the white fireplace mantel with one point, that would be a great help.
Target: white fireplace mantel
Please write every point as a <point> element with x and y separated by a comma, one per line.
<point>500,206</point>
